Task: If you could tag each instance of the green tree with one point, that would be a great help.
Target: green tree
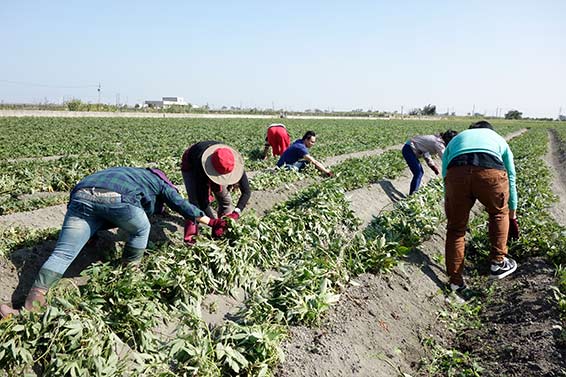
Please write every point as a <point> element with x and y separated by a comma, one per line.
<point>429,110</point>
<point>513,114</point>
<point>74,105</point>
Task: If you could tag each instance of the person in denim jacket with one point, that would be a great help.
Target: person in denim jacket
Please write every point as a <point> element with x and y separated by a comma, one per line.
<point>120,197</point>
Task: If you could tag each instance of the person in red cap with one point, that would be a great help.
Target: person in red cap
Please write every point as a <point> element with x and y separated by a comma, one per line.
<point>210,166</point>
<point>277,138</point>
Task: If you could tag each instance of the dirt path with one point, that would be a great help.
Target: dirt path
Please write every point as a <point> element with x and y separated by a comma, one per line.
<point>558,168</point>
<point>334,160</point>
<point>387,314</point>
<point>377,326</point>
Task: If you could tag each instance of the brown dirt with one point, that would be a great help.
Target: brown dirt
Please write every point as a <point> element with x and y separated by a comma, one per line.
<point>557,164</point>
<point>521,331</point>
<point>377,326</point>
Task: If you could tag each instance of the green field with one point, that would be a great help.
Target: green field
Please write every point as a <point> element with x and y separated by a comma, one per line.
<point>53,154</point>
<point>108,326</point>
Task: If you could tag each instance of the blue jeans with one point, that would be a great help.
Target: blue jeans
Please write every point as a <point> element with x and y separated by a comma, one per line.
<point>88,213</point>
<point>414,165</point>
<point>298,166</point>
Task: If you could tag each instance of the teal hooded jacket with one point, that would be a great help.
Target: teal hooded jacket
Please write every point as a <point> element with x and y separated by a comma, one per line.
<point>483,140</point>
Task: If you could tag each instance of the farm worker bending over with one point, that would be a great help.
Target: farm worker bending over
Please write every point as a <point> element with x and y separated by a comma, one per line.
<point>120,197</point>
<point>297,155</point>
<point>277,138</point>
<point>478,164</point>
<point>209,166</point>
<point>424,146</point>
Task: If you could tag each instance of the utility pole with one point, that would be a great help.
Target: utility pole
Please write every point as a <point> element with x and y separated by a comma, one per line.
<point>473,109</point>
<point>98,104</point>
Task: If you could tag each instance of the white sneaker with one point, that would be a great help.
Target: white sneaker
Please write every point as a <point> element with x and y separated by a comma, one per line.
<point>503,269</point>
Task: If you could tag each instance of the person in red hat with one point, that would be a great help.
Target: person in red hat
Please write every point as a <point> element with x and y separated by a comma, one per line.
<point>212,167</point>
<point>277,139</point>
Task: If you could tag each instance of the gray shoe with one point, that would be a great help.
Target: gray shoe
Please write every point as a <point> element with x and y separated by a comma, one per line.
<point>459,294</point>
<point>503,269</point>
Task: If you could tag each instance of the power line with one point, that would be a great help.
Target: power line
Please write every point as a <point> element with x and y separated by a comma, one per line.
<point>47,85</point>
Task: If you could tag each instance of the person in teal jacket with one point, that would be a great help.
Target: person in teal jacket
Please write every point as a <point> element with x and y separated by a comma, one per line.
<point>478,164</point>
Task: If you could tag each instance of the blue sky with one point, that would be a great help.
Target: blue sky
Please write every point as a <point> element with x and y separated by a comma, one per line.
<point>337,55</point>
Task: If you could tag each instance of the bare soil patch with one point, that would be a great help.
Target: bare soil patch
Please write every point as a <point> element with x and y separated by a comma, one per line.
<point>377,326</point>
<point>521,328</point>
<point>556,161</point>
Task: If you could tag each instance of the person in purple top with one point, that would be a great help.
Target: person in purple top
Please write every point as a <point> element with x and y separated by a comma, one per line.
<point>120,197</point>
<point>297,155</point>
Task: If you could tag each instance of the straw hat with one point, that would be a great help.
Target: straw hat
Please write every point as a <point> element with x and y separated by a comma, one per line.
<point>222,164</point>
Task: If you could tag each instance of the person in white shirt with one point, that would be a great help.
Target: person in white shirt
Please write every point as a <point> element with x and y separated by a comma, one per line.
<point>424,146</point>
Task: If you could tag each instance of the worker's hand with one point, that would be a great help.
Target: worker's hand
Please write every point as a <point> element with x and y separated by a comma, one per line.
<point>435,169</point>
<point>329,174</point>
<point>234,215</point>
<point>218,227</point>
<point>513,229</point>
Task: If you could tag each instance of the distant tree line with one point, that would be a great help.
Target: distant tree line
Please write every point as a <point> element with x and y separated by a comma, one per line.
<point>78,105</point>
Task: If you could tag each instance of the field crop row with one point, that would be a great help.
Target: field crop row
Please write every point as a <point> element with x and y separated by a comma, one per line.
<point>540,234</point>
<point>52,154</point>
<point>109,325</point>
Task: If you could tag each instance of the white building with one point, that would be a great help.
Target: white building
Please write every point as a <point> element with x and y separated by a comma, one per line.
<point>166,102</point>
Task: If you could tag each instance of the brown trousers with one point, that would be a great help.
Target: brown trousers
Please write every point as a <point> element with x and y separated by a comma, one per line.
<point>463,185</point>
